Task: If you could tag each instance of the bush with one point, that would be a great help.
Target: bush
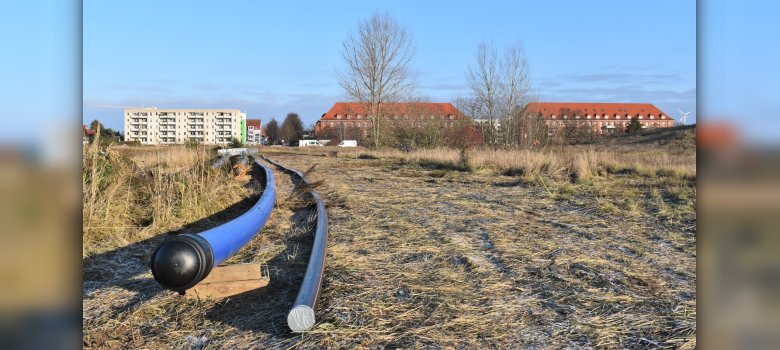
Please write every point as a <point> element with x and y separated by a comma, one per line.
<point>191,143</point>
<point>634,126</point>
<point>235,143</point>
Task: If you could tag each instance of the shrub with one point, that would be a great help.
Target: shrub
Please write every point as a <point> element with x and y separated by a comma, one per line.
<point>235,143</point>
<point>191,143</point>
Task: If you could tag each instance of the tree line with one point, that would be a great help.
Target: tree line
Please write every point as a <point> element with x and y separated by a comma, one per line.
<point>289,133</point>
<point>378,56</point>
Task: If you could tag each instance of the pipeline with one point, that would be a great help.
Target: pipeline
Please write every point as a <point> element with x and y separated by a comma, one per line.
<point>219,161</point>
<point>181,261</point>
<point>301,316</point>
<point>239,164</point>
<point>226,154</point>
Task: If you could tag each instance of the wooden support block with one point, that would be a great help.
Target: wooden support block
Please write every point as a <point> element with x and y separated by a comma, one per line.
<point>230,280</point>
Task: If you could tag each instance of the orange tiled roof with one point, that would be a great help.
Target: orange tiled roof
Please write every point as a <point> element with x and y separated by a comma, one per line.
<point>411,109</point>
<point>257,123</point>
<point>601,109</point>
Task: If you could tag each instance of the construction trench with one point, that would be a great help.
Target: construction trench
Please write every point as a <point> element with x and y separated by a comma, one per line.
<point>182,261</point>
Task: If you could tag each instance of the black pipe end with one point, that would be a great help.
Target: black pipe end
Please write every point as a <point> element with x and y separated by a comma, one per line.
<point>181,261</point>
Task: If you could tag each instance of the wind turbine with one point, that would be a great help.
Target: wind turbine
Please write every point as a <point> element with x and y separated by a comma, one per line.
<point>683,116</point>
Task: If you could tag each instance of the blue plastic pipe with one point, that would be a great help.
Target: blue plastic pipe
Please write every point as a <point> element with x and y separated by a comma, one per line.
<point>181,261</point>
<point>228,238</point>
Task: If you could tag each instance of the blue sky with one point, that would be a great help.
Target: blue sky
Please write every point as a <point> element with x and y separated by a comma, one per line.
<point>269,59</point>
<point>40,67</point>
<point>739,70</point>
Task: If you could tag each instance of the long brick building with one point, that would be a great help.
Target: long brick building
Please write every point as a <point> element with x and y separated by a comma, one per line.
<point>355,115</point>
<point>600,117</point>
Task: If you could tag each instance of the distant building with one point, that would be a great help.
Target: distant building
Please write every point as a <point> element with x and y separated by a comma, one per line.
<point>153,126</point>
<point>355,115</point>
<point>600,117</point>
<point>254,132</point>
<point>86,133</point>
<point>496,122</point>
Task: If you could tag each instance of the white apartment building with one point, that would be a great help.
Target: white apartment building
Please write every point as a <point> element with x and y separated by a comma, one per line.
<point>253,136</point>
<point>158,126</point>
<point>254,132</point>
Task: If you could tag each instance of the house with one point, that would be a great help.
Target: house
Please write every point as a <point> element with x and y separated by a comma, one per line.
<point>356,116</point>
<point>254,132</point>
<point>86,133</point>
<point>602,118</point>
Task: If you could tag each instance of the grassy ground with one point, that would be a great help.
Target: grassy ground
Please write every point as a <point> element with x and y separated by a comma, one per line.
<point>425,252</point>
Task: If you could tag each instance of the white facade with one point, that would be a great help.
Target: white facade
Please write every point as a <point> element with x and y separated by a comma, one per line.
<point>154,126</point>
<point>253,136</point>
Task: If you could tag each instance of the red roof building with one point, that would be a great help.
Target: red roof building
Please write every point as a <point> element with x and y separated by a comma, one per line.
<point>354,114</point>
<point>601,117</point>
<point>254,124</point>
<point>254,131</point>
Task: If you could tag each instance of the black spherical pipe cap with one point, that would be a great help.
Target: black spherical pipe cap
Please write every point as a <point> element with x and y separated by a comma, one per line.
<point>181,261</point>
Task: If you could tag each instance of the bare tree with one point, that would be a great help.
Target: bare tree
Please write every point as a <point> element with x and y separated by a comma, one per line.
<point>501,86</point>
<point>515,83</point>
<point>467,105</point>
<point>377,55</point>
<point>484,84</point>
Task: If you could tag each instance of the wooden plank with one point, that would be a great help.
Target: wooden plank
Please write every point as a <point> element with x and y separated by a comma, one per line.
<point>226,281</point>
<point>236,272</point>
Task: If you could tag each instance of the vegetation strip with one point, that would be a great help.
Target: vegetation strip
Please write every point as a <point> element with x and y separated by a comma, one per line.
<point>301,316</point>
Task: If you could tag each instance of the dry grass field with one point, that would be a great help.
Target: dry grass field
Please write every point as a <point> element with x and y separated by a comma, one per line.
<point>582,247</point>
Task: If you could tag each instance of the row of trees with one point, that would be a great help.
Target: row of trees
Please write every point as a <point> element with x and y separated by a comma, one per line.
<point>377,57</point>
<point>107,135</point>
<point>500,89</point>
<point>290,132</point>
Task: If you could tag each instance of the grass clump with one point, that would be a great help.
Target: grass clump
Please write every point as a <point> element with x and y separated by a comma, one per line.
<point>132,194</point>
<point>367,156</point>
